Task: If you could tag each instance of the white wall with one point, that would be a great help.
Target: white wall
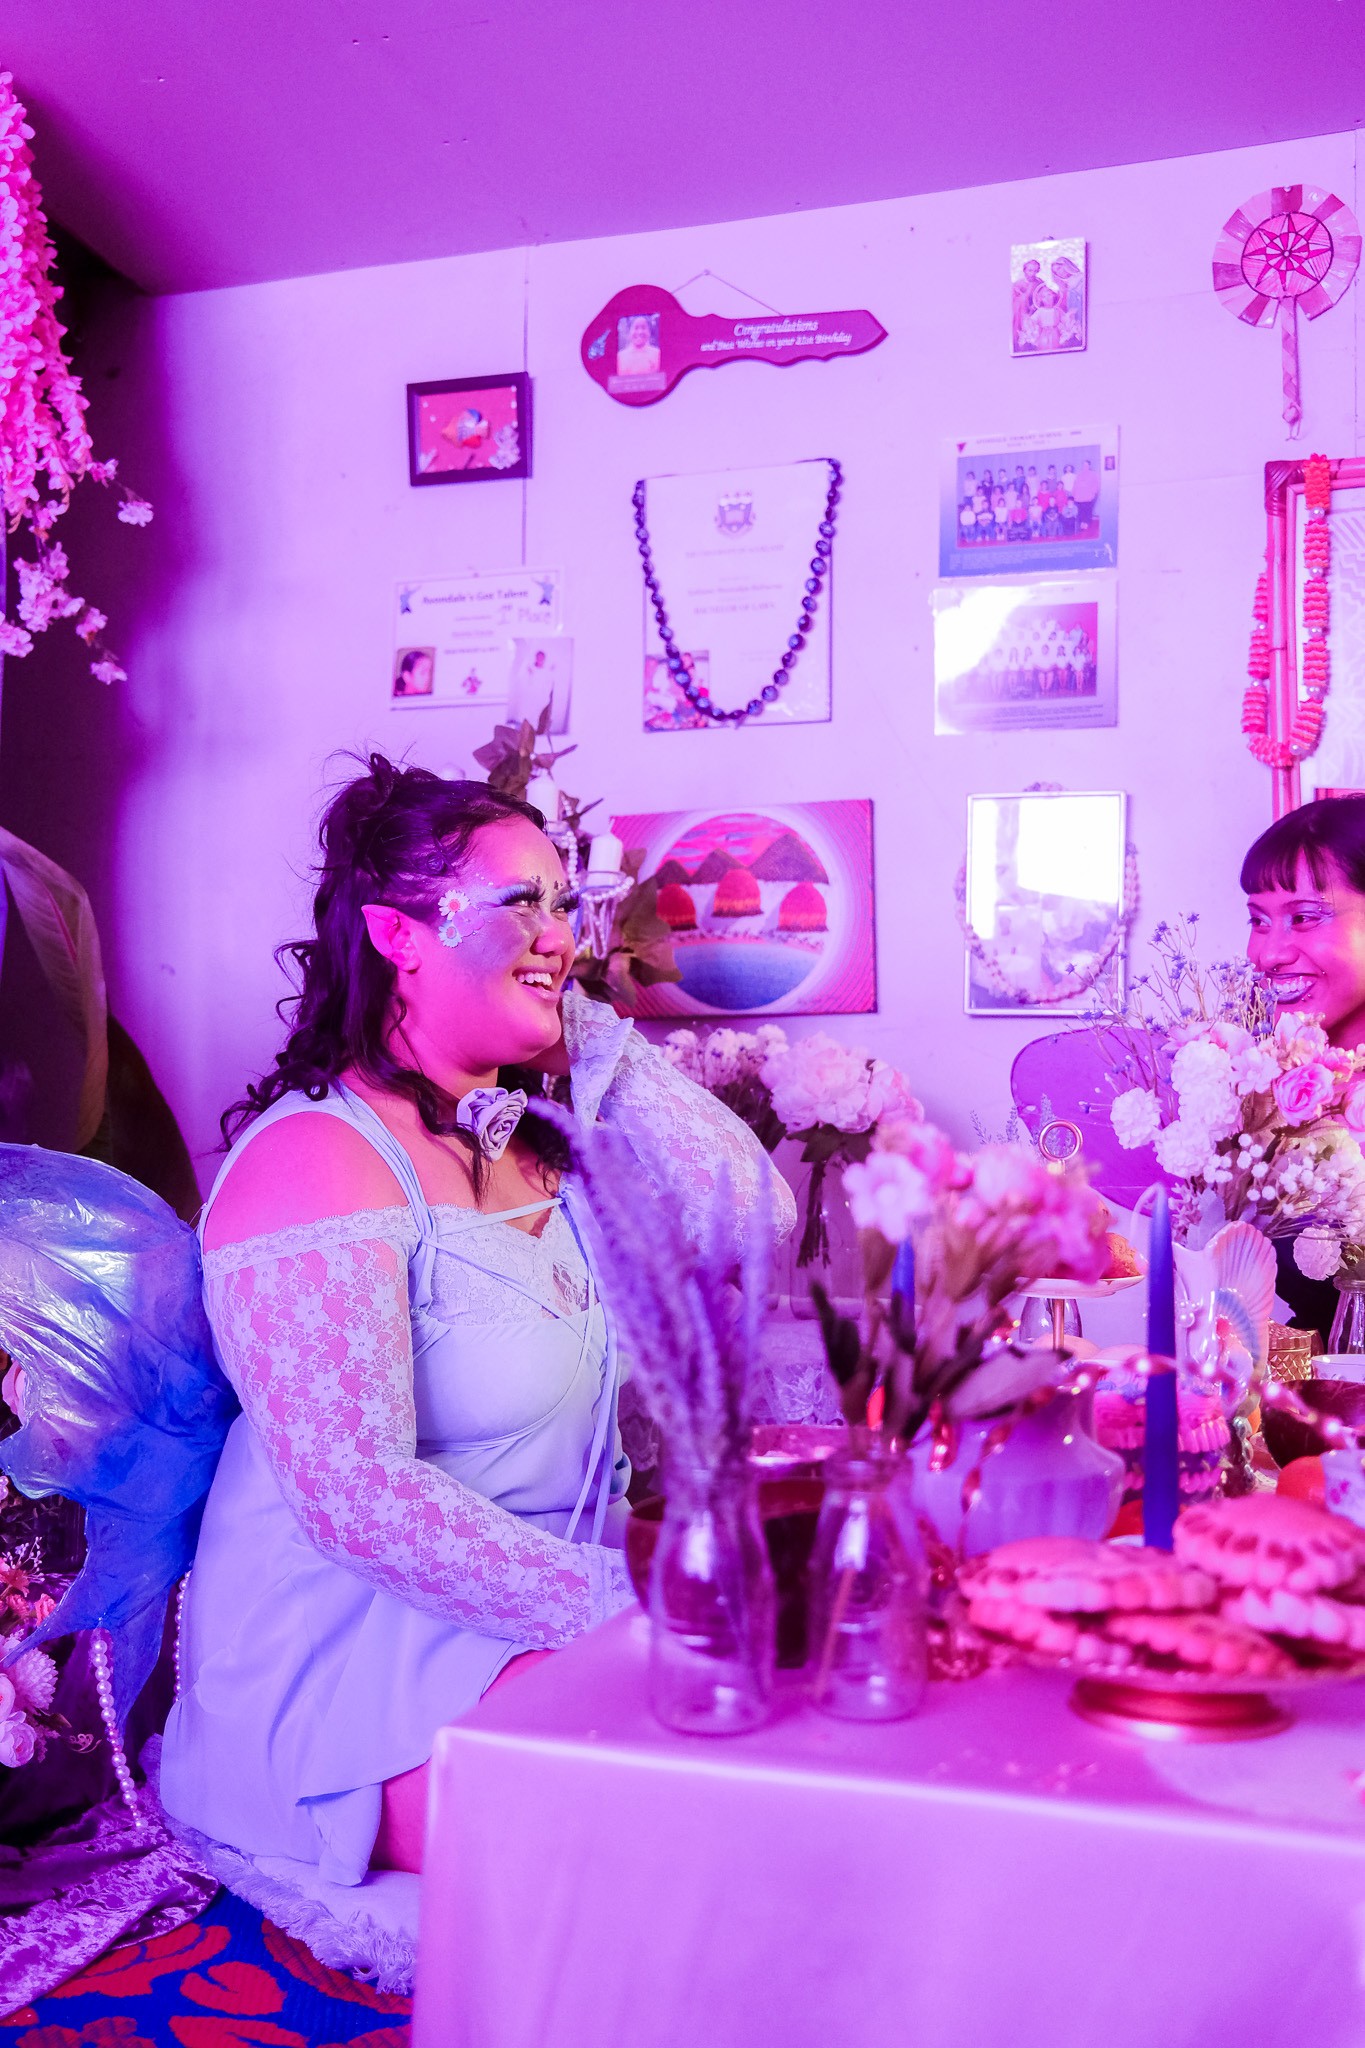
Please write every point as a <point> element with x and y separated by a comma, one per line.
<point>268,425</point>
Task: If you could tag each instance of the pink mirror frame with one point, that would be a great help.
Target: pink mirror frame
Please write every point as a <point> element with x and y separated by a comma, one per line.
<point>1284,505</point>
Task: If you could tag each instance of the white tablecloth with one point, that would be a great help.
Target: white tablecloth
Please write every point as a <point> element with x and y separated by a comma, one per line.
<point>992,1871</point>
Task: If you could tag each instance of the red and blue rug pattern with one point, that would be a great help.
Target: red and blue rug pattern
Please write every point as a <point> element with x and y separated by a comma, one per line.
<point>228,1980</point>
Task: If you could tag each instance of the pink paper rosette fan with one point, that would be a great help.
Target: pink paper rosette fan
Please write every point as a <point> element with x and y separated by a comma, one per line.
<point>1292,249</point>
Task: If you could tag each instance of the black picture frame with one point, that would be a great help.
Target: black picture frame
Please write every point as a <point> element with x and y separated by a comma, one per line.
<point>430,424</point>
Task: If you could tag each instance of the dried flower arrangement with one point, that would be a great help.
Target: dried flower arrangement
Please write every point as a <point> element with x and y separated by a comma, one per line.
<point>694,1349</point>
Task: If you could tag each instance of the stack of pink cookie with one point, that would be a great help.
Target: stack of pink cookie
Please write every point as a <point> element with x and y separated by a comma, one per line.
<point>1256,1589</point>
<point>1121,1425</point>
<point>1283,1568</point>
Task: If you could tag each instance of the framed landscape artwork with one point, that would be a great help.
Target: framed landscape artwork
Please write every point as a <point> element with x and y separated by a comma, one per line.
<point>771,910</point>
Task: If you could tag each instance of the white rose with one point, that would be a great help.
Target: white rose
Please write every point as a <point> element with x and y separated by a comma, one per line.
<point>1136,1117</point>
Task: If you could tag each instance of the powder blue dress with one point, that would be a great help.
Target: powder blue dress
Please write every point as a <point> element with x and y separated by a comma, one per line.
<point>427,1477</point>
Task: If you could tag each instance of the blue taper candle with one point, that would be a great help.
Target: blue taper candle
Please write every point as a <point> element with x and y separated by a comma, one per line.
<point>903,1289</point>
<point>1161,1455</point>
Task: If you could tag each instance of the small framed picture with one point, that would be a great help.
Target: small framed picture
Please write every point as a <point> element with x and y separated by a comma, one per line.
<point>467,430</point>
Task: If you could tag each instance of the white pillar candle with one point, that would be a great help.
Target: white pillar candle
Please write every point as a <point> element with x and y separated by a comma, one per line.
<point>604,855</point>
<point>541,792</point>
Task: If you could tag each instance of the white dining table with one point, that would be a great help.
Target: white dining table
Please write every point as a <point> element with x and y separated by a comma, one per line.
<point>993,1870</point>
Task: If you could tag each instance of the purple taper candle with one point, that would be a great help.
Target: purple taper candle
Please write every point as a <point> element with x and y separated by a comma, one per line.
<point>1161,1453</point>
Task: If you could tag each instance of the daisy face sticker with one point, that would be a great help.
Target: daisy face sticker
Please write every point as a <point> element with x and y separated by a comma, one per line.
<point>453,904</point>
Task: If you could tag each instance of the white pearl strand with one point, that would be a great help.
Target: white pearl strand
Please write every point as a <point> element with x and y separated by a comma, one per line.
<point>104,1687</point>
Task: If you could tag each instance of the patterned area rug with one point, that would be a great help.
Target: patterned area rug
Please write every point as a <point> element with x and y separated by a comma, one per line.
<point>228,1980</point>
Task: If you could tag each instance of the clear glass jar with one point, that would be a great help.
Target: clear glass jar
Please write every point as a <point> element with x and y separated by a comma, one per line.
<point>837,1261</point>
<point>1348,1324</point>
<point>868,1593</point>
<point>712,1606</point>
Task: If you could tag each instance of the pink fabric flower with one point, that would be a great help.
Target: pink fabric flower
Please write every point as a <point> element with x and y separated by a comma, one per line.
<point>1299,1037</point>
<point>925,1146</point>
<point>12,1390</point>
<point>1303,1092</point>
<point>889,1194</point>
<point>17,1741</point>
<point>1353,1108</point>
<point>135,511</point>
<point>889,1097</point>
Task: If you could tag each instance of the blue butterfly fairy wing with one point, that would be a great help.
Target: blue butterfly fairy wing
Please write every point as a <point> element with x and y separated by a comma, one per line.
<point>125,1405</point>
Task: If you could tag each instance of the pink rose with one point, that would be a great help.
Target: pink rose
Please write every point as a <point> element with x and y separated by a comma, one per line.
<point>1303,1092</point>
<point>17,1741</point>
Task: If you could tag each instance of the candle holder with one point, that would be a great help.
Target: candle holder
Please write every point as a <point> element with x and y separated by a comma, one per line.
<point>599,893</point>
<point>564,839</point>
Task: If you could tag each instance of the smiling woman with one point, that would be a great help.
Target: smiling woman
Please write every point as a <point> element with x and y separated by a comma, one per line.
<point>1305,886</point>
<point>426,1481</point>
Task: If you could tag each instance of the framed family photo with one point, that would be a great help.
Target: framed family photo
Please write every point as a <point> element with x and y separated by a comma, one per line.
<point>467,430</point>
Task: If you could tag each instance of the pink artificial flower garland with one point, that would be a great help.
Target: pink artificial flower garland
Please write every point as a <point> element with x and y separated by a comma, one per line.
<point>45,446</point>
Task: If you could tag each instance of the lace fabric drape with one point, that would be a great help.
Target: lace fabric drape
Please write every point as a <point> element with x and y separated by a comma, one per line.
<point>313,1328</point>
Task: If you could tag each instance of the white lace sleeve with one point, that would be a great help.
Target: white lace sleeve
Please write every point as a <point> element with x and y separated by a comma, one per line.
<point>313,1330</point>
<point>618,1075</point>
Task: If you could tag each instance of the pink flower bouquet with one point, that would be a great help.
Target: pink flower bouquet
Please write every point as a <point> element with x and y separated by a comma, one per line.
<point>982,1227</point>
<point>1267,1125</point>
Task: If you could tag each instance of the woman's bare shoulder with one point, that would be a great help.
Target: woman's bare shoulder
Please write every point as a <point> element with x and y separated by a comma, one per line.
<point>303,1168</point>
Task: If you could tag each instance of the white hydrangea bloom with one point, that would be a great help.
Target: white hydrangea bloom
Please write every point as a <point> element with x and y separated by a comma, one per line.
<point>1201,1074</point>
<point>1317,1254</point>
<point>1185,1149</point>
<point>1136,1117</point>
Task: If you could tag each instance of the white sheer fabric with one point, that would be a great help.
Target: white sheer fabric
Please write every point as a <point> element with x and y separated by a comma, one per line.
<point>313,1328</point>
<point>698,1140</point>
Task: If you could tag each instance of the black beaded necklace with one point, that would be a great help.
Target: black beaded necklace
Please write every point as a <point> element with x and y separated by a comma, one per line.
<point>697,694</point>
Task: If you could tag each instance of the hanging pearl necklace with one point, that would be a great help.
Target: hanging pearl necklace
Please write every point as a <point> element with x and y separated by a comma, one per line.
<point>697,694</point>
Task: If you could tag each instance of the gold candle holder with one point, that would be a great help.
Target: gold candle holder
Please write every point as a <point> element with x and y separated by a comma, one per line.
<point>1291,1354</point>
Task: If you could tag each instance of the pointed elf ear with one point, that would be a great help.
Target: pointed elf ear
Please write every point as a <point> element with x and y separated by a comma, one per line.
<point>390,933</point>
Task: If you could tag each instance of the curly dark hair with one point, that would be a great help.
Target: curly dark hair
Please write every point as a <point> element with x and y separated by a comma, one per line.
<point>393,835</point>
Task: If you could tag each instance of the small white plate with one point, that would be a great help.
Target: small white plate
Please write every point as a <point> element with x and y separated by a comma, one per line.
<point>1081,1290</point>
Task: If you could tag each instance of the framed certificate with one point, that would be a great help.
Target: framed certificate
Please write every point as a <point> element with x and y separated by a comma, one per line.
<point>732,553</point>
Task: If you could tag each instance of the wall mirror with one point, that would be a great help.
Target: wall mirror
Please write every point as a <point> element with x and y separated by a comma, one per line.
<point>1045,898</point>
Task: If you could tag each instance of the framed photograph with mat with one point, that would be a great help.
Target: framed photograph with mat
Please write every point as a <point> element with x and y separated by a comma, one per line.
<point>470,430</point>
